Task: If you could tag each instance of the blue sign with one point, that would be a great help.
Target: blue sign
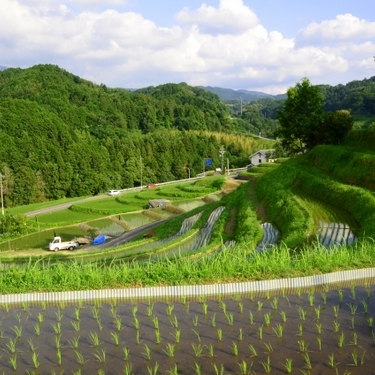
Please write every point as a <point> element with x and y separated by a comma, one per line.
<point>208,162</point>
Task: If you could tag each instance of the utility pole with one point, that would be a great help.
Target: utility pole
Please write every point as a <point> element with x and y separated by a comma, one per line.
<point>2,196</point>
<point>140,162</point>
<point>221,153</point>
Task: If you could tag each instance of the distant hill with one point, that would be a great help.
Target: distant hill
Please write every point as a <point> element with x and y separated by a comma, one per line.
<point>229,94</point>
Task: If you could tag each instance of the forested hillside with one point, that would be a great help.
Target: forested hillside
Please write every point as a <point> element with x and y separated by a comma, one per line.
<point>260,116</point>
<point>63,136</point>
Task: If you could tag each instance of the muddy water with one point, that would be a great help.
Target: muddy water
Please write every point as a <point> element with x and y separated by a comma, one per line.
<point>241,321</point>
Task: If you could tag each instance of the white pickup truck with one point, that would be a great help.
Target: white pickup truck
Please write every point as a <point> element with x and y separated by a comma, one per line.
<point>57,244</point>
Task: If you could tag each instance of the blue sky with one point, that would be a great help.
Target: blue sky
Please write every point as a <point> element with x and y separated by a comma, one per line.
<point>263,45</point>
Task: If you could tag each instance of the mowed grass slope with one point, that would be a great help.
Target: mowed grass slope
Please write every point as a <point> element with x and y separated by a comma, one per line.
<point>327,183</point>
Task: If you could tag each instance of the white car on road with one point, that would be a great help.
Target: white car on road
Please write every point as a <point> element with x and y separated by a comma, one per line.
<point>113,193</point>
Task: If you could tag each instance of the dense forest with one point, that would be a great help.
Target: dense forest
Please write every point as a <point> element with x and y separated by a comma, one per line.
<point>63,136</point>
<point>259,116</point>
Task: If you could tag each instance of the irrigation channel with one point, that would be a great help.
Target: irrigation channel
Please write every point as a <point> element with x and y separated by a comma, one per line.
<point>315,329</point>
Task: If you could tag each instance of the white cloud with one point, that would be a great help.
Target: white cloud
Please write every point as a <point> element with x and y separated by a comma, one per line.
<point>344,28</point>
<point>224,46</point>
<point>232,16</point>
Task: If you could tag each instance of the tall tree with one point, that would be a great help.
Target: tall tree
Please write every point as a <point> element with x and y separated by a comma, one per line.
<point>301,118</point>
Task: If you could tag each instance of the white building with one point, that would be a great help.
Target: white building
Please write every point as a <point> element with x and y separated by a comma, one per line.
<point>261,156</point>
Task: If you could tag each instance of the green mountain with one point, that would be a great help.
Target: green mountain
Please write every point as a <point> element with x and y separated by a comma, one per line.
<point>63,136</point>
<point>240,95</point>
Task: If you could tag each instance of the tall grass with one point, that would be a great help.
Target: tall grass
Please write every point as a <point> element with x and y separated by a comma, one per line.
<point>228,265</point>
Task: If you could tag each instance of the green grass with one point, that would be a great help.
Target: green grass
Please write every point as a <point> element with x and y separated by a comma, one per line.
<point>228,265</point>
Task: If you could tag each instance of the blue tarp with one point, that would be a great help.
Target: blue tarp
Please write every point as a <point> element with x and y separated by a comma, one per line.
<point>98,240</point>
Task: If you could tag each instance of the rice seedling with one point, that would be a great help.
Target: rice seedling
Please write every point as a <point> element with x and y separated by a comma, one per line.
<point>352,322</point>
<point>40,317</point>
<point>126,352</point>
<point>266,365</point>
<point>370,321</point>
<point>155,320</point>
<point>211,351</point>
<point>252,294</point>
<point>56,328</point>
<point>12,346</point>
<point>157,336</point>
<point>253,351</point>
<point>95,310</point>
<point>100,355</point>
<point>147,352</point>
<point>31,344</point>
<point>353,292</point>
<point>299,292</point>
<point>113,310</point>
<point>336,327</point>
<point>136,323</point>
<point>59,315</point>
<point>341,295</point>
<point>317,312</point>
<point>153,370</point>
<point>368,291</point>
<point>341,340</point>
<point>278,330</point>
<point>13,361</point>
<point>197,368</point>
<point>37,329</point>
<point>240,334</point>
<point>283,316</point>
<point>311,299</point>
<point>176,335</point>
<point>300,330</point>
<point>355,339</point>
<point>288,365</point>
<point>218,370</point>
<point>115,337</point>
<point>269,348</point>
<point>268,295</point>
<point>302,313</point>
<point>173,370</point>
<point>198,349</point>
<point>195,320</point>
<point>205,308</point>
<point>219,332</point>
<point>74,342</point>
<point>197,334</point>
<point>251,318</point>
<point>324,297</point>
<point>94,339</point>
<point>150,309</point>
<point>234,348</point>
<point>245,369</point>
<point>260,305</point>
<point>169,350</point>
<point>59,357</point>
<point>336,310</point>
<point>213,320</point>
<point>187,307</point>
<point>364,305</point>
<point>319,328</point>
<point>77,313</point>
<point>57,339</point>
<point>331,361</point>
<point>128,369</point>
<point>319,340</point>
<point>137,337</point>
<point>169,309</point>
<point>240,306</point>
<point>275,303</point>
<point>76,325</point>
<point>223,306</point>
<point>174,321</point>
<point>230,318</point>
<point>357,361</point>
<point>18,317</point>
<point>18,331</point>
<point>260,332</point>
<point>118,323</point>
<point>307,359</point>
<point>353,308</point>
<point>267,318</point>
<point>302,346</point>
